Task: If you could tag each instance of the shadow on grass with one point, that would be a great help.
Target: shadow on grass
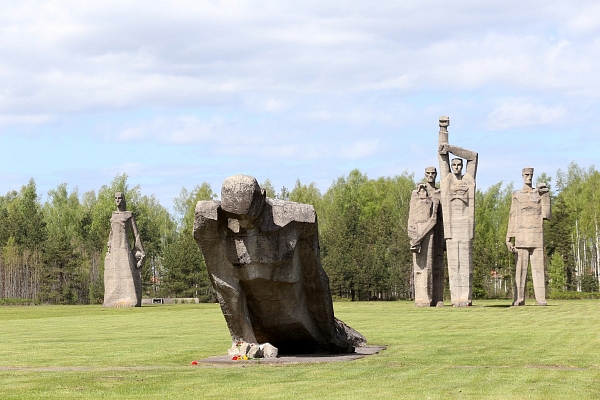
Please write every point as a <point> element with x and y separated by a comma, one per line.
<point>498,306</point>
<point>510,305</point>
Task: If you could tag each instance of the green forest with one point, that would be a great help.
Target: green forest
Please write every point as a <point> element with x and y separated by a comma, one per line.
<point>53,251</point>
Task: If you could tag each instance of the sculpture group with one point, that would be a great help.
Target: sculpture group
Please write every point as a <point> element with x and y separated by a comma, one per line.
<point>263,256</point>
<point>263,259</point>
<point>444,218</point>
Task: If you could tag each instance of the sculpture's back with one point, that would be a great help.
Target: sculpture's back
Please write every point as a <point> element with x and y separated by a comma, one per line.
<point>264,262</point>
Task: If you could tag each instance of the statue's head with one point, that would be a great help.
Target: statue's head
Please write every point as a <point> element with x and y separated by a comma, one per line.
<point>444,121</point>
<point>527,175</point>
<point>430,174</point>
<point>457,166</point>
<point>120,201</point>
<point>242,198</point>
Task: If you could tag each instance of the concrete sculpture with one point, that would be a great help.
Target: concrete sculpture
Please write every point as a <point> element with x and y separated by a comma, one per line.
<point>458,206</point>
<point>422,218</point>
<point>263,259</point>
<point>528,210</point>
<point>123,264</point>
<point>438,240</point>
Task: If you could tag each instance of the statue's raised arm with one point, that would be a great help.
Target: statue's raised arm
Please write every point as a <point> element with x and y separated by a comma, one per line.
<point>444,148</point>
<point>458,207</point>
<point>469,155</point>
<point>443,157</point>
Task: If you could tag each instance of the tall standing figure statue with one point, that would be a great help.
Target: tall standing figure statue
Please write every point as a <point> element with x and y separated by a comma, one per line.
<point>438,239</point>
<point>123,264</point>
<point>422,219</point>
<point>458,206</point>
<point>528,210</point>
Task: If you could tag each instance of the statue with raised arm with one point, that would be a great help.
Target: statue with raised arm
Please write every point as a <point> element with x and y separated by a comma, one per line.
<point>263,259</point>
<point>528,210</point>
<point>123,263</point>
<point>458,207</point>
<point>422,219</point>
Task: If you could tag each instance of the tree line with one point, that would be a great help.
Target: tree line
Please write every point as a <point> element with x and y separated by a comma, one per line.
<point>53,252</point>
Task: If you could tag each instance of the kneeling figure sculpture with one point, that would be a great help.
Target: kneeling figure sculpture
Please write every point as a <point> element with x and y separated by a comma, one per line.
<point>263,259</point>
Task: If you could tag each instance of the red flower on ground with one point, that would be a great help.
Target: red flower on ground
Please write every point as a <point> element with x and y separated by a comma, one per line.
<point>194,362</point>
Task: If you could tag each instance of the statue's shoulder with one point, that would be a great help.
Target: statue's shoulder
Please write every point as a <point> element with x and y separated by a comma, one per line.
<point>285,212</point>
<point>208,209</point>
<point>413,196</point>
<point>449,177</point>
<point>516,194</point>
<point>121,215</point>
<point>468,179</point>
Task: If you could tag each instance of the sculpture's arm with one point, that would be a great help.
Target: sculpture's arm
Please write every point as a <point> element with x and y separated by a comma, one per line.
<point>137,247</point>
<point>206,220</point>
<point>418,233</point>
<point>109,243</point>
<point>469,155</point>
<point>232,298</point>
<point>425,229</point>
<point>544,192</point>
<point>511,226</point>
<point>412,226</point>
<point>444,161</point>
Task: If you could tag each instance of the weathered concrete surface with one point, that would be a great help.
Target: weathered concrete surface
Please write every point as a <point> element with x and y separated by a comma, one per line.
<point>263,259</point>
<point>253,350</point>
<point>439,243</point>
<point>123,263</point>
<point>435,249</point>
<point>458,205</point>
<point>422,218</point>
<point>528,210</point>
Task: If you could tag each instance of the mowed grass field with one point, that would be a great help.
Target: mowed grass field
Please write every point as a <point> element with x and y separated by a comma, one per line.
<point>487,351</point>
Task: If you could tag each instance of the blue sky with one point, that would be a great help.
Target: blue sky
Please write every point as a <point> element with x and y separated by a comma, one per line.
<point>178,93</point>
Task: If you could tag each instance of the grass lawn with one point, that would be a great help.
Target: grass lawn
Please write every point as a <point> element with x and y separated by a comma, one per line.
<point>487,351</point>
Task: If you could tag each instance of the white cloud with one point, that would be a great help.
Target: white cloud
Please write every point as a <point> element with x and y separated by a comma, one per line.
<point>178,130</point>
<point>360,149</point>
<point>326,85</point>
<point>34,119</point>
<point>514,113</point>
<point>64,57</point>
<point>130,168</point>
<point>586,21</point>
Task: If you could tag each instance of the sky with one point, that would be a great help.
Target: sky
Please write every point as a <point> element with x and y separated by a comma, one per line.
<point>176,93</point>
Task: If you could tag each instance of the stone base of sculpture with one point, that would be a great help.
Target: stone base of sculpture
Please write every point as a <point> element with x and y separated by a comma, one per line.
<point>243,350</point>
